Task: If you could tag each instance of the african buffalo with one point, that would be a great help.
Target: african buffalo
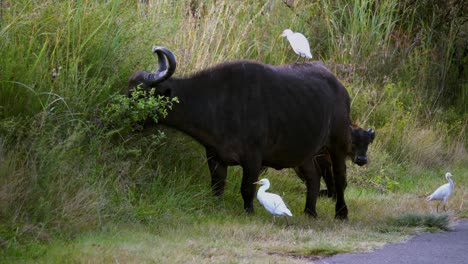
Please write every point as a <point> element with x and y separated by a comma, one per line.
<point>360,140</point>
<point>254,115</point>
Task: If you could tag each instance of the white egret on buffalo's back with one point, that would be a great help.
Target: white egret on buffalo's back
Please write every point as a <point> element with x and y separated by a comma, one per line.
<point>299,44</point>
<point>443,192</point>
<point>272,202</point>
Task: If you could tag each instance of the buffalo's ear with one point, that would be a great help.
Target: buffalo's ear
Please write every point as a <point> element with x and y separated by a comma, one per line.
<point>354,135</point>
<point>371,134</point>
<point>353,130</point>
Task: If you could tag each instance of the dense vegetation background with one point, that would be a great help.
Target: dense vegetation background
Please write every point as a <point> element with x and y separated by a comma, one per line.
<point>63,172</point>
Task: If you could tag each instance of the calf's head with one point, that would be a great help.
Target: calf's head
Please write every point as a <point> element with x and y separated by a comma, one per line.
<point>361,139</point>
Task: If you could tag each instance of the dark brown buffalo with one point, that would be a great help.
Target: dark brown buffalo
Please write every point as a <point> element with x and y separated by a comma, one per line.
<point>254,115</point>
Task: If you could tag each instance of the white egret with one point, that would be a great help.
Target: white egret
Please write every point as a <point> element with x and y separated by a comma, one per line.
<point>272,202</point>
<point>443,192</point>
<point>299,43</point>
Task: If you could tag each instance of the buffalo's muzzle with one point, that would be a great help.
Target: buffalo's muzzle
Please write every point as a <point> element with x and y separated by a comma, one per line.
<point>361,160</point>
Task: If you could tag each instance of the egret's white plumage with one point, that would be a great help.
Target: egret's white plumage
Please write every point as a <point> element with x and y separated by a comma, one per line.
<point>443,192</point>
<point>272,202</point>
<point>299,43</point>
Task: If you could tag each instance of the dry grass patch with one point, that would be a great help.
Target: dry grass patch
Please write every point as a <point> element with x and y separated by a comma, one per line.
<point>241,239</point>
<point>227,236</point>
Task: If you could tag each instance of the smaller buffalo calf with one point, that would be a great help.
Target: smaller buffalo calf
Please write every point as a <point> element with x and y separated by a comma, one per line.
<point>360,142</point>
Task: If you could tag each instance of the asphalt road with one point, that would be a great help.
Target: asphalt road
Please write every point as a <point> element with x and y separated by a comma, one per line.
<point>445,247</point>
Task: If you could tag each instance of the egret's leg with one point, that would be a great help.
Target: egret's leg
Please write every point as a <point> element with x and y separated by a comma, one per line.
<point>298,57</point>
<point>444,201</point>
<point>437,208</point>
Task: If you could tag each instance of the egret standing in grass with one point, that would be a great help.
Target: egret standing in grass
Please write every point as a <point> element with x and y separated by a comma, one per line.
<point>443,192</point>
<point>272,202</point>
<point>299,44</point>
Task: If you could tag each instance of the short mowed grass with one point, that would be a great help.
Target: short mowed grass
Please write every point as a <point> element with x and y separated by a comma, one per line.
<point>79,184</point>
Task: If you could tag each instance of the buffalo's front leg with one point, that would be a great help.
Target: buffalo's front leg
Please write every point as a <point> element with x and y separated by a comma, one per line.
<point>218,173</point>
<point>339,173</point>
<point>309,173</point>
<point>251,169</point>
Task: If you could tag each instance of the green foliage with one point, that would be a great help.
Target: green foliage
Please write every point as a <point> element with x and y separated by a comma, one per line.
<point>383,174</point>
<point>431,221</point>
<point>324,250</point>
<point>361,30</point>
<point>130,113</point>
<point>60,55</point>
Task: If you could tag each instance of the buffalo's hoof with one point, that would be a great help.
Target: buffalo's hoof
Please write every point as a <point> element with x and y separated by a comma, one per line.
<point>341,217</point>
<point>310,213</point>
<point>342,214</point>
<point>218,193</point>
<point>249,210</point>
<point>323,193</point>
<point>326,193</point>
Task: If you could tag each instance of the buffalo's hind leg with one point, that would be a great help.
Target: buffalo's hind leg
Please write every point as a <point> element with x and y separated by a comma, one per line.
<point>339,173</point>
<point>218,172</point>
<point>309,174</point>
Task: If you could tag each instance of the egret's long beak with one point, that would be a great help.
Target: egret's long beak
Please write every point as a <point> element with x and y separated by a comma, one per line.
<point>256,182</point>
<point>281,35</point>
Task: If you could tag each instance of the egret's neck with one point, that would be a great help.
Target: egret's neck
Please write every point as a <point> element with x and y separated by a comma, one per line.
<point>263,188</point>
<point>450,182</point>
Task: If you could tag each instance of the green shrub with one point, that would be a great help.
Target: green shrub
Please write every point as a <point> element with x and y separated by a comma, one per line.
<point>130,113</point>
<point>423,220</point>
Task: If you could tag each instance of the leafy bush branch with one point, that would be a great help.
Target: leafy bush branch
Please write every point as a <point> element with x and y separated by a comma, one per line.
<point>130,113</point>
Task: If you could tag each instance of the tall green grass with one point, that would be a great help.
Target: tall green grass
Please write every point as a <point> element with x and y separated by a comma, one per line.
<point>61,173</point>
<point>360,30</point>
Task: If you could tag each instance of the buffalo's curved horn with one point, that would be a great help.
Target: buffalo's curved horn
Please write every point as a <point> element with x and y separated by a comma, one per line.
<point>371,133</point>
<point>164,71</point>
